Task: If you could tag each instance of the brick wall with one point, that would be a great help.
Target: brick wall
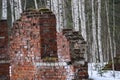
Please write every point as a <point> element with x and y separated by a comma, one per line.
<point>38,52</point>
<point>63,48</point>
<point>72,50</point>
<point>4,57</point>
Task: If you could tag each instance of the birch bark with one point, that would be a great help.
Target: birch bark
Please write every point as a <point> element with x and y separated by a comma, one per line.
<point>75,15</point>
<point>57,8</point>
<point>94,42</point>
<point>12,13</point>
<point>17,8</point>
<point>36,5</point>
<point>110,39</point>
<point>114,43</point>
<point>20,6</point>
<point>99,31</point>
<point>60,4</point>
<point>4,9</point>
<point>82,17</point>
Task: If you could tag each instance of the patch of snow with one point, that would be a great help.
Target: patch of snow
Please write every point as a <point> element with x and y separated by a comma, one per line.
<point>106,75</point>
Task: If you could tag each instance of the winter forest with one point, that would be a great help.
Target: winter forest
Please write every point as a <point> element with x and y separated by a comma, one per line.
<point>96,20</point>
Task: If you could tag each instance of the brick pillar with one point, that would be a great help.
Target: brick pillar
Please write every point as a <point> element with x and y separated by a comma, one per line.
<point>32,42</point>
<point>48,36</point>
<point>4,58</point>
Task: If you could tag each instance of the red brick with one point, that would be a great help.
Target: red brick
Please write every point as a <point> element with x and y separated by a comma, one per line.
<point>34,40</point>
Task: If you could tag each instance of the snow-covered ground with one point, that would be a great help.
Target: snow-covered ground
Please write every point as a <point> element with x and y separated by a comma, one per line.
<point>94,73</point>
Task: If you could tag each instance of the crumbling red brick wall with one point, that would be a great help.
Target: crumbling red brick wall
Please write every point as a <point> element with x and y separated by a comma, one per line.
<point>72,49</point>
<point>63,48</point>
<point>48,44</point>
<point>37,53</point>
<point>4,57</point>
<point>33,41</point>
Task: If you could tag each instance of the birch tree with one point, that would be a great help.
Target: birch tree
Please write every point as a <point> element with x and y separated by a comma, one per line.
<point>36,5</point>
<point>114,43</point>
<point>12,10</point>
<point>99,31</point>
<point>60,11</point>
<point>113,54</point>
<point>57,6</point>
<point>4,9</point>
<point>20,6</point>
<point>55,9</point>
<point>75,14</point>
<point>64,14</point>
<point>16,9</point>
<point>0,9</point>
<point>83,18</point>
<point>25,2</point>
<point>108,30</point>
<point>94,42</point>
<point>109,36</point>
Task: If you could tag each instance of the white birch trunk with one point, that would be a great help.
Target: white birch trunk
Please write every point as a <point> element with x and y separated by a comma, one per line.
<point>114,43</point>
<point>17,8</point>
<point>81,9</point>
<point>57,8</point>
<point>72,6</point>
<point>25,4</point>
<point>52,6</point>
<point>48,4</point>
<point>61,15</point>
<point>64,14</point>
<point>110,38</point>
<point>75,15</point>
<point>20,6</point>
<point>4,9</point>
<point>36,5</point>
<point>99,31</point>
<point>12,13</point>
<point>94,43</point>
<point>82,18</point>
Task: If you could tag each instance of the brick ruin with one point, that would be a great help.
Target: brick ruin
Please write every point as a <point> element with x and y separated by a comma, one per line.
<point>4,57</point>
<point>38,52</point>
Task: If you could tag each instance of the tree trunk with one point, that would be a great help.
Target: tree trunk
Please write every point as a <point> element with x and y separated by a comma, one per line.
<point>94,42</point>
<point>20,7</point>
<point>0,9</point>
<point>25,4</point>
<point>60,4</point>
<point>75,15</point>
<point>55,9</point>
<point>12,11</point>
<point>9,17</point>
<point>83,28</point>
<point>108,41</point>
<point>110,38</point>
<point>99,32</point>
<point>114,43</point>
<point>4,9</point>
<point>48,4</point>
<point>17,8</point>
<point>36,6</point>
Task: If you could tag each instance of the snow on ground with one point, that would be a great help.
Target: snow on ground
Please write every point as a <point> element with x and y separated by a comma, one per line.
<point>94,72</point>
